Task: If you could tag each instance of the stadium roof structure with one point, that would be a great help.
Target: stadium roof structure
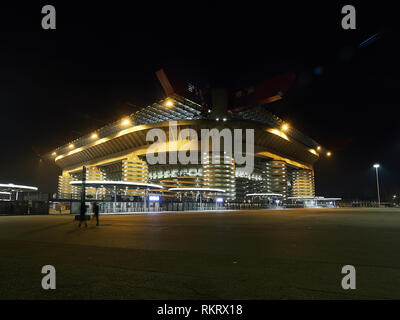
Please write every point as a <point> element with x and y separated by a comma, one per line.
<point>264,195</point>
<point>196,189</point>
<point>185,102</point>
<point>10,187</point>
<point>107,183</point>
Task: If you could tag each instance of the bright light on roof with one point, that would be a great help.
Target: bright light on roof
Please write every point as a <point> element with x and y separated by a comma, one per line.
<point>169,103</point>
<point>71,146</point>
<point>376,165</point>
<point>94,136</point>
<point>126,122</point>
<point>278,133</point>
<point>285,127</point>
<point>313,151</point>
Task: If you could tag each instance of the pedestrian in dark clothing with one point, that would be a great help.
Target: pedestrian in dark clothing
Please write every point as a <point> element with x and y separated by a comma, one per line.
<point>82,216</point>
<point>96,212</point>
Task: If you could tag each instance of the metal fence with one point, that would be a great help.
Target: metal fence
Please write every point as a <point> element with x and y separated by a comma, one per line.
<point>24,207</point>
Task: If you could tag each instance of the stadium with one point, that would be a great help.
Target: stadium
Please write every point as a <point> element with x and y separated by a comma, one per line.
<point>110,164</point>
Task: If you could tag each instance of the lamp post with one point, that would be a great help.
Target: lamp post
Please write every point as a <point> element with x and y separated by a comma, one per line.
<point>376,166</point>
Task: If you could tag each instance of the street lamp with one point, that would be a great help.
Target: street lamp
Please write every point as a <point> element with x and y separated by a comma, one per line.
<point>376,166</point>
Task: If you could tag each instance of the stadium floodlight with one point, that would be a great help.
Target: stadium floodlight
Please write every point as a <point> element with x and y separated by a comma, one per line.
<point>126,122</point>
<point>169,103</point>
<point>285,127</point>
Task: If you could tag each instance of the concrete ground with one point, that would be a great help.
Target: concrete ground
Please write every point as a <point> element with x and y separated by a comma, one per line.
<point>263,254</point>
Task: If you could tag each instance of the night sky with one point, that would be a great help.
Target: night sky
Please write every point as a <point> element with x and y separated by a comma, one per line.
<point>99,63</point>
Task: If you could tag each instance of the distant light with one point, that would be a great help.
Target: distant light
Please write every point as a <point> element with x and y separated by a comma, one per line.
<point>376,165</point>
<point>319,148</point>
<point>217,119</point>
<point>71,146</point>
<point>169,103</point>
<point>94,136</point>
<point>285,127</point>
<point>209,110</point>
<point>219,199</point>
<point>224,119</point>
<point>54,153</point>
<point>329,153</point>
<point>126,122</point>
<point>154,198</point>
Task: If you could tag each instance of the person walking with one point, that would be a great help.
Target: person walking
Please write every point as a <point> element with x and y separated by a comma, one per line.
<point>82,216</point>
<point>96,212</point>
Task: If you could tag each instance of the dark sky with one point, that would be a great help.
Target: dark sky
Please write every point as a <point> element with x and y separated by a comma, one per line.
<point>58,85</point>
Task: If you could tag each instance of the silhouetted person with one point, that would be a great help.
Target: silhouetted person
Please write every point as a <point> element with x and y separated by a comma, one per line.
<point>82,215</point>
<point>96,212</point>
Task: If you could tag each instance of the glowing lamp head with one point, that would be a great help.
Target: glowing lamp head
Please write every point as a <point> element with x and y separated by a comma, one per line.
<point>169,103</point>
<point>328,154</point>
<point>376,165</point>
<point>71,146</point>
<point>54,154</point>
<point>126,122</point>
<point>285,127</point>
<point>94,136</point>
<point>319,148</point>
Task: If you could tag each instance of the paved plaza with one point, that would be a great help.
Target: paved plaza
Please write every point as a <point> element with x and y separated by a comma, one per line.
<point>263,254</point>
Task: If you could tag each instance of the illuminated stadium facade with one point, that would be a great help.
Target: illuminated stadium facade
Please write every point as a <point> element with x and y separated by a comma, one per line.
<point>115,162</point>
